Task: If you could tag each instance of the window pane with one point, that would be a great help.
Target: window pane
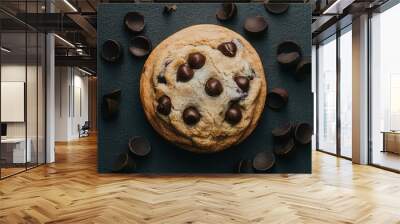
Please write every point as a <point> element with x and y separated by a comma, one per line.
<point>31,98</point>
<point>346,94</point>
<point>14,153</point>
<point>385,84</point>
<point>327,96</point>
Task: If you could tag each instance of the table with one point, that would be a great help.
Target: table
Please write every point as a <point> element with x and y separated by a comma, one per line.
<point>13,150</point>
<point>391,141</point>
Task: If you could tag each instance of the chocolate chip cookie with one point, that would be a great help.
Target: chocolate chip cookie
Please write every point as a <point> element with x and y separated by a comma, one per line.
<point>203,88</point>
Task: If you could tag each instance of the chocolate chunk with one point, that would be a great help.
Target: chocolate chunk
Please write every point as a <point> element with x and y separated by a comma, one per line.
<point>283,148</point>
<point>233,115</point>
<point>111,102</point>
<point>191,116</point>
<point>134,21</point>
<point>213,87</point>
<point>245,166</point>
<point>140,46</point>
<point>161,79</point>
<point>288,54</point>
<point>243,82</point>
<point>228,49</point>
<point>288,58</point>
<point>276,8</point>
<point>303,133</point>
<point>283,132</point>
<point>303,70</point>
<point>226,12</point>
<point>277,98</point>
<point>184,73</point>
<point>196,60</point>
<point>123,163</point>
<point>139,146</point>
<point>170,8</point>
<point>167,62</point>
<point>111,51</point>
<point>263,161</point>
<point>255,24</point>
<point>164,105</point>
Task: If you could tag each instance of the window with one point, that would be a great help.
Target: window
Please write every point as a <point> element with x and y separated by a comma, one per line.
<point>327,96</point>
<point>385,89</point>
<point>346,75</point>
<point>334,103</point>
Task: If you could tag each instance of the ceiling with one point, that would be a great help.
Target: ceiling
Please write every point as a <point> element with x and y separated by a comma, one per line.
<point>75,22</point>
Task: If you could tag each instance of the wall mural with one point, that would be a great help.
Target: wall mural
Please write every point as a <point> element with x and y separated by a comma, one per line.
<point>204,88</point>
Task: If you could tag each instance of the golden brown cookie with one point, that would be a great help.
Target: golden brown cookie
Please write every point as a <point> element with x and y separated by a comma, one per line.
<point>203,88</point>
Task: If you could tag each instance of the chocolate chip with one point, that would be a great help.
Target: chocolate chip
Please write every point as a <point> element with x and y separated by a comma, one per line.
<point>288,54</point>
<point>139,146</point>
<point>243,82</point>
<point>252,75</point>
<point>161,79</point>
<point>170,8</point>
<point>288,58</point>
<point>303,70</point>
<point>277,98</point>
<point>111,102</point>
<point>276,8</point>
<point>283,132</point>
<point>255,24</point>
<point>164,105</point>
<point>134,21</point>
<point>303,133</point>
<point>233,115</point>
<point>284,147</point>
<point>226,12</point>
<point>120,162</point>
<point>140,46</point>
<point>245,166</point>
<point>111,50</point>
<point>213,87</point>
<point>263,161</point>
<point>191,116</point>
<point>123,163</point>
<point>196,60</point>
<point>228,49</point>
<point>167,62</point>
<point>184,73</point>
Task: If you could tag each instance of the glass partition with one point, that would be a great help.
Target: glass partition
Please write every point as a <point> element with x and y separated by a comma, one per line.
<point>346,93</point>
<point>31,98</point>
<point>22,67</point>
<point>385,89</point>
<point>13,109</point>
<point>327,96</point>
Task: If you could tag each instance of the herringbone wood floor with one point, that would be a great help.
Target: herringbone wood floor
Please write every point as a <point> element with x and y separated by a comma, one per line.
<point>71,191</point>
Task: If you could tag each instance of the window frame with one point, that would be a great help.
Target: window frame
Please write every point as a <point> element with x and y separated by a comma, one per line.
<point>337,34</point>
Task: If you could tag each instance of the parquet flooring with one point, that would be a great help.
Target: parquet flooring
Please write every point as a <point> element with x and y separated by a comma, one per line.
<point>71,191</point>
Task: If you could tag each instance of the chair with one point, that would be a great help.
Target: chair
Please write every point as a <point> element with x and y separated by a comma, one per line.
<point>84,130</point>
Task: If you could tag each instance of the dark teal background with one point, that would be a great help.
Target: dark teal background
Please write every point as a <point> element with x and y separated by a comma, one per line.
<point>125,75</point>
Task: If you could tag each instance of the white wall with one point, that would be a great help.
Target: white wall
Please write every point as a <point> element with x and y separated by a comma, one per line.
<point>33,127</point>
<point>61,103</point>
<point>16,73</point>
<point>71,102</point>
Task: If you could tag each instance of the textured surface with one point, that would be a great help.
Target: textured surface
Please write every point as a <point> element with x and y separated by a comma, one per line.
<point>71,191</point>
<point>212,133</point>
<point>125,75</point>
